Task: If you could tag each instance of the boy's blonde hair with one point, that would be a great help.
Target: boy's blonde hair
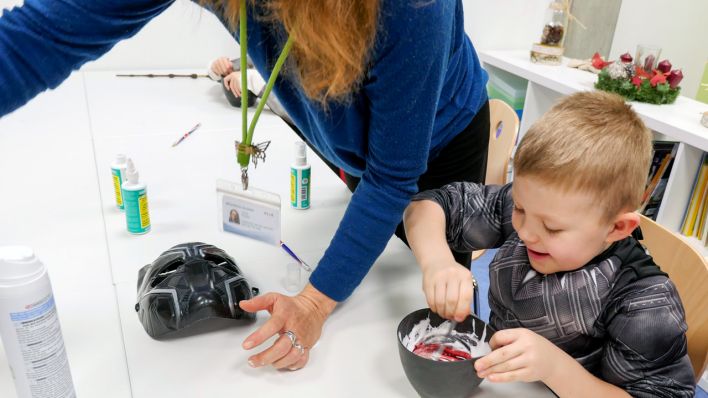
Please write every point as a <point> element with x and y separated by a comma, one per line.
<point>592,142</point>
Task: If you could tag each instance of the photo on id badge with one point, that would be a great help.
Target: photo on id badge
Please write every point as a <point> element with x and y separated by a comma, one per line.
<point>250,218</point>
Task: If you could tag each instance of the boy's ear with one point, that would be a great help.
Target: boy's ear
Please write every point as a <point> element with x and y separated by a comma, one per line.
<point>622,226</point>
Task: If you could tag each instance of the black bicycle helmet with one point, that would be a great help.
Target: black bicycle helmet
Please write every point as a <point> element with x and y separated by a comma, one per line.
<point>189,283</point>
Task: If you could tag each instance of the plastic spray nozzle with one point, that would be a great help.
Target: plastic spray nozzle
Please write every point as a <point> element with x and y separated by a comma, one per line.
<point>131,173</point>
<point>300,153</point>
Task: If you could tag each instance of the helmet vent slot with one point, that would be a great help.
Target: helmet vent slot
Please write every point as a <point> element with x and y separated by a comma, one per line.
<point>166,271</point>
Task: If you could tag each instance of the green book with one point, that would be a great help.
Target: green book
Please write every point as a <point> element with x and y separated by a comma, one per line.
<point>703,87</point>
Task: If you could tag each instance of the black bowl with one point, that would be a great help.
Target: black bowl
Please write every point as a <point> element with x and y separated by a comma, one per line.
<point>432,378</point>
<point>236,101</point>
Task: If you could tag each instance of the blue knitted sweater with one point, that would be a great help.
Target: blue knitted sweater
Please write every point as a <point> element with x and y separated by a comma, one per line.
<point>423,86</point>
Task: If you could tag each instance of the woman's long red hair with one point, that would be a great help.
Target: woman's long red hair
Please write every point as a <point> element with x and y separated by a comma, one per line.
<point>333,41</point>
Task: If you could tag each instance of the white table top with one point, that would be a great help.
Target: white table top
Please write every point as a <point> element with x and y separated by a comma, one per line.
<point>50,201</point>
<point>104,115</point>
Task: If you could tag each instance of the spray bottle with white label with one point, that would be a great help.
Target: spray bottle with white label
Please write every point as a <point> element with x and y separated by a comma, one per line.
<point>300,178</point>
<point>29,327</point>
<point>137,215</point>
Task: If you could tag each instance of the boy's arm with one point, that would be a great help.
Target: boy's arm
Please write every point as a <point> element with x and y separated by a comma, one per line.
<point>447,286</point>
<point>646,352</point>
<point>575,381</point>
<point>425,231</point>
<point>467,215</point>
<point>522,355</point>
<point>476,216</point>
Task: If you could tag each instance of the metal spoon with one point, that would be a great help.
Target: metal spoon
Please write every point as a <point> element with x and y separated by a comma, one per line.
<point>442,340</point>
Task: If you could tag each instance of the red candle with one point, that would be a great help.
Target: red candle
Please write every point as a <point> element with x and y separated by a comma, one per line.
<point>674,78</point>
<point>664,66</point>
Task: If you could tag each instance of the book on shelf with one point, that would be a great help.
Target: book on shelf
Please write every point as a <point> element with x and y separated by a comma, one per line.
<point>694,216</point>
<point>705,235</point>
<point>702,228</point>
<point>659,172</point>
<point>651,207</point>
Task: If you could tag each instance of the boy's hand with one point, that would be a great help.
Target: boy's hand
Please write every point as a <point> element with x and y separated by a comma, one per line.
<point>233,82</point>
<point>448,289</point>
<point>222,66</point>
<point>520,355</point>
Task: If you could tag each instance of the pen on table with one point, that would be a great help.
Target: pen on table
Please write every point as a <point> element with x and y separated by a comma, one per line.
<point>305,266</point>
<point>186,135</point>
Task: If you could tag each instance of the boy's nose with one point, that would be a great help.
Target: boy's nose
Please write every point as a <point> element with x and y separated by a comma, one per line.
<point>526,235</point>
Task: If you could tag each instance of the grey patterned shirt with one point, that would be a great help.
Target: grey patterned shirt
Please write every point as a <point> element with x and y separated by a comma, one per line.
<point>618,315</point>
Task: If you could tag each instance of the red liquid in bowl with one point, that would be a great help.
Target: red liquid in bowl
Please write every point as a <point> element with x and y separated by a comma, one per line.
<point>449,354</point>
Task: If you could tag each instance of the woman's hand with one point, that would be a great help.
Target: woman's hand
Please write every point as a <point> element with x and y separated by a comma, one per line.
<point>303,315</point>
<point>448,288</point>
<point>521,355</point>
<point>222,66</point>
<point>233,82</point>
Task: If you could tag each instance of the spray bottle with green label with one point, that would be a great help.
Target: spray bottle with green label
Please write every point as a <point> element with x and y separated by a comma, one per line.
<point>300,178</point>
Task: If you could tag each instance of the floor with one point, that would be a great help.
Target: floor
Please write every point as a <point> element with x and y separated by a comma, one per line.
<point>700,393</point>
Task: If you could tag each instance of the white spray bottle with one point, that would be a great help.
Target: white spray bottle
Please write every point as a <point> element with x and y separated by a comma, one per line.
<point>300,178</point>
<point>29,327</point>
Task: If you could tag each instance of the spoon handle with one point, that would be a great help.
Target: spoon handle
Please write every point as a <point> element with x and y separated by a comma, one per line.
<point>441,348</point>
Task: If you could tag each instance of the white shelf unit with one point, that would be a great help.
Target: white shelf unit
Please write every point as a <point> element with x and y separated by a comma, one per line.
<point>678,122</point>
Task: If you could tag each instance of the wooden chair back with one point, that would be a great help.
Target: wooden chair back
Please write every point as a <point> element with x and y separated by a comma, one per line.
<point>688,269</point>
<point>504,128</point>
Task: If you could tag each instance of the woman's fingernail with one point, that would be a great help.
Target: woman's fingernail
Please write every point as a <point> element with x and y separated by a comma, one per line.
<point>251,363</point>
<point>247,345</point>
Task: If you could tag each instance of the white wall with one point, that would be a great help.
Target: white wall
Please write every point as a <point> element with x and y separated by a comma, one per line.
<point>184,36</point>
<point>680,28</point>
<point>504,24</point>
<point>9,3</point>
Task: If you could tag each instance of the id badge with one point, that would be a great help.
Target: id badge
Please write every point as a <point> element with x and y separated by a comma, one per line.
<point>253,213</point>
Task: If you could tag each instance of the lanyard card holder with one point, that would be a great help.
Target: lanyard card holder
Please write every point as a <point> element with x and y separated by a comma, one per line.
<point>253,213</point>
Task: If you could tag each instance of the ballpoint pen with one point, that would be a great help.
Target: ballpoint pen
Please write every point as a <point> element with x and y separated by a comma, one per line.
<point>186,135</point>
<point>304,265</point>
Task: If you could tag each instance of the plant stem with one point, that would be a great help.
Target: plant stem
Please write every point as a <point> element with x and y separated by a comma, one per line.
<point>243,44</point>
<point>269,86</point>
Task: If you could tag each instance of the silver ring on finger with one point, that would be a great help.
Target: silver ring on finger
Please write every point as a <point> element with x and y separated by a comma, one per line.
<point>291,335</point>
<point>293,341</point>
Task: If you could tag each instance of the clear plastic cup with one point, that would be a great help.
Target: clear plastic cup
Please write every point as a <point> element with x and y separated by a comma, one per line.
<point>293,277</point>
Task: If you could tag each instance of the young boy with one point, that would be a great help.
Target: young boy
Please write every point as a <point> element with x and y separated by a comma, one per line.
<point>577,302</point>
